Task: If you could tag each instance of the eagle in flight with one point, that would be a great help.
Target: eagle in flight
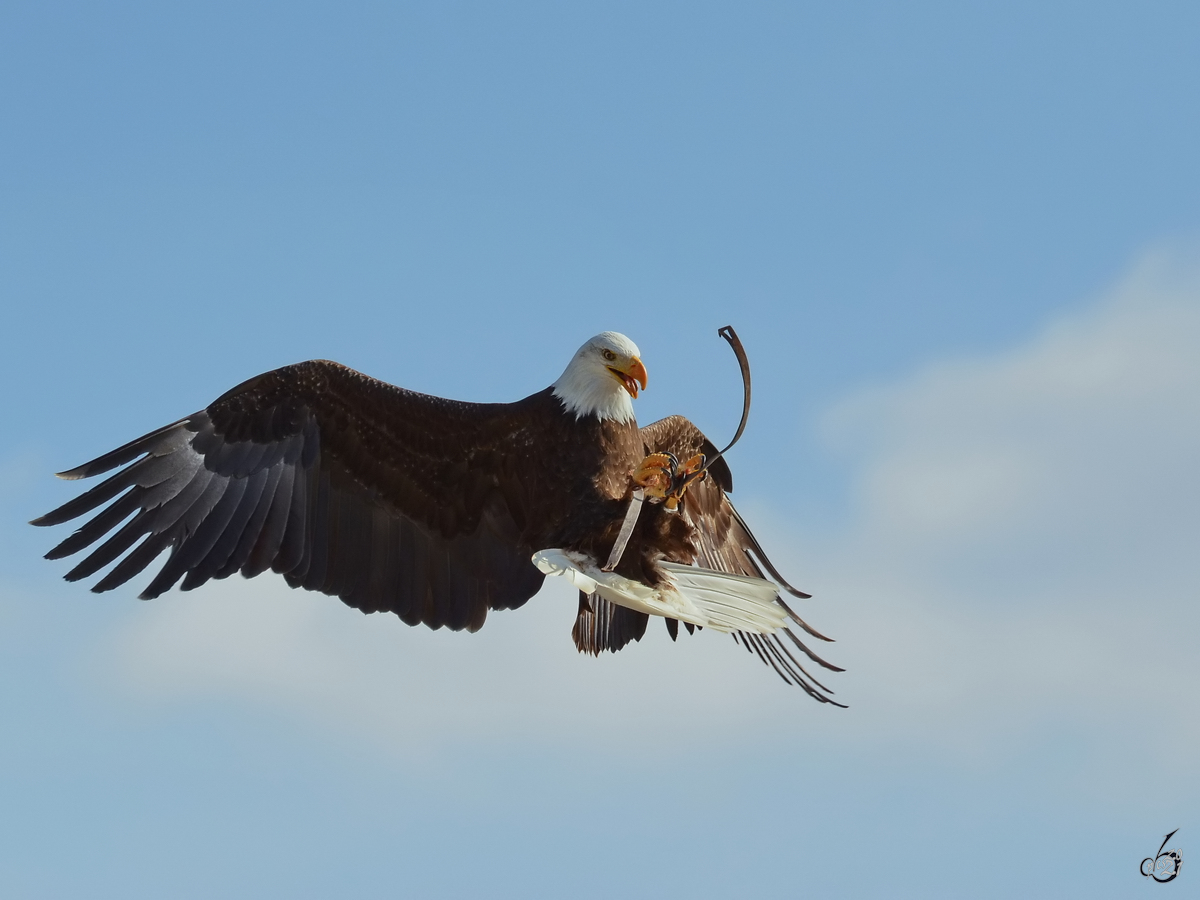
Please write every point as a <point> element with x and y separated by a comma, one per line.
<point>439,510</point>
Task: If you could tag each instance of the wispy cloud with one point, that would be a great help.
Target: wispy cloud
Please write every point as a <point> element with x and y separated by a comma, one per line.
<point>1023,551</point>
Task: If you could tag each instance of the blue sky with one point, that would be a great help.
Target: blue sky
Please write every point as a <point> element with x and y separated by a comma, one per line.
<point>961,243</point>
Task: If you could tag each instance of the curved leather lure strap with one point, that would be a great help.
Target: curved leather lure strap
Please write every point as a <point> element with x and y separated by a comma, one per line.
<point>731,336</point>
<point>631,517</point>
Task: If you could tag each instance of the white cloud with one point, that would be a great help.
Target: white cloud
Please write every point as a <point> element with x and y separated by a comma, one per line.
<point>1024,550</point>
<point>1092,421</point>
<point>1022,558</point>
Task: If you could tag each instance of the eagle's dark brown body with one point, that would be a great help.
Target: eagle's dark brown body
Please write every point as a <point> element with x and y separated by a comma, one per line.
<point>397,501</point>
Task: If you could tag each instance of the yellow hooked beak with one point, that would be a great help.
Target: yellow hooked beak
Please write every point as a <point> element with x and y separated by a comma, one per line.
<point>631,375</point>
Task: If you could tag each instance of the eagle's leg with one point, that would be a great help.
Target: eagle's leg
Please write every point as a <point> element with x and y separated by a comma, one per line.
<point>666,480</point>
<point>656,474</point>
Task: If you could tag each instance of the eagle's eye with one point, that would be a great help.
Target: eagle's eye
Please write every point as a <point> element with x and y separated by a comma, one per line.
<point>609,355</point>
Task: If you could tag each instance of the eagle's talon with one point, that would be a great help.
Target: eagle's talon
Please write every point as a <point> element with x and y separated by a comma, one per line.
<point>665,480</point>
<point>656,474</point>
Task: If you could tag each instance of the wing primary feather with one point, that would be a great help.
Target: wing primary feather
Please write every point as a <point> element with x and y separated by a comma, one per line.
<point>230,536</point>
<point>773,653</point>
<point>194,551</point>
<point>797,679</point>
<point>795,664</point>
<point>194,499</point>
<point>807,652</point>
<point>801,676</point>
<point>110,549</point>
<point>146,473</point>
<point>126,453</point>
<point>799,621</point>
<point>148,499</point>
<point>741,639</point>
<point>774,649</point>
<point>763,558</point>
<point>187,522</point>
<point>96,528</point>
<point>87,501</point>
<point>262,499</point>
<point>769,646</point>
<point>754,648</point>
<point>765,655</point>
<point>133,564</point>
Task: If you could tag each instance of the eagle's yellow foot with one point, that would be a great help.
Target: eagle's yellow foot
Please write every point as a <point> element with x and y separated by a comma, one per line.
<point>655,474</point>
<point>664,479</point>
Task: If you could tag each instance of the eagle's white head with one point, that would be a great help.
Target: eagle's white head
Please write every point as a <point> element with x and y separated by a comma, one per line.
<point>602,378</point>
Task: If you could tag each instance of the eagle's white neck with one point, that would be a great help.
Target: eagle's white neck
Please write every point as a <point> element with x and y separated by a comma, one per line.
<point>587,390</point>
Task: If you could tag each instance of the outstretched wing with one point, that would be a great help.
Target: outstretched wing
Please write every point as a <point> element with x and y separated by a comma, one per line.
<point>726,544</point>
<point>389,499</point>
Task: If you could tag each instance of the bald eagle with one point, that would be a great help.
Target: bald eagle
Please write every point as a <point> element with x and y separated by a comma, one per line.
<point>439,510</point>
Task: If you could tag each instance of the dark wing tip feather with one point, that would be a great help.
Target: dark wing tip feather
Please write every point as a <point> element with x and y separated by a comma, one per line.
<point>123,454</point>
<point>760,554</point>
<point>809,653</point>
<point>799,621</point>
<point>771,650</point>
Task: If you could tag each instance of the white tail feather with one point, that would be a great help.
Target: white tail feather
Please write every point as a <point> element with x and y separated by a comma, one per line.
<point>704,597</point>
